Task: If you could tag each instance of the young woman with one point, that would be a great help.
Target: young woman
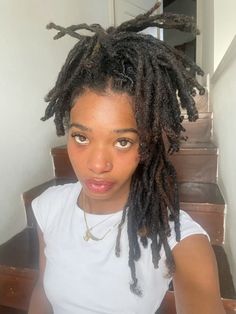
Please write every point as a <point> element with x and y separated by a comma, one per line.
<point>113,241</point>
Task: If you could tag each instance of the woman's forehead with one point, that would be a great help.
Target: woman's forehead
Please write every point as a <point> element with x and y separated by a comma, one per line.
<point>105,108</point>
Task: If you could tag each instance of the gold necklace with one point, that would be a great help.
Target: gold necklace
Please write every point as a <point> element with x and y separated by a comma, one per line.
<point>88,234</point>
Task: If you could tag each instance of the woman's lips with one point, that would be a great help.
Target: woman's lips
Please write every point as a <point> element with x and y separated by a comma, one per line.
<point>97,186</point>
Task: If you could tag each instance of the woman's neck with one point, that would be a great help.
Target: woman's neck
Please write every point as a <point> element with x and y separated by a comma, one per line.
<point>100,207</point>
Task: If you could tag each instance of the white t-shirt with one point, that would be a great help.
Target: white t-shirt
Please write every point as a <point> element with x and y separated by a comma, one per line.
<point>85,277</point>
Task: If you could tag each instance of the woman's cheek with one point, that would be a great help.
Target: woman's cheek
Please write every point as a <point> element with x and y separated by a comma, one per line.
<point>137,158</point>
<point>70,150</point>
<point>74,152</point>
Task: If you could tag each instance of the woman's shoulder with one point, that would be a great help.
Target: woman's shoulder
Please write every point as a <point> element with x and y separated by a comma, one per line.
<point>53,202</point>
<point>188,227</point>
<point>58,191</point>
<point>195,277</point>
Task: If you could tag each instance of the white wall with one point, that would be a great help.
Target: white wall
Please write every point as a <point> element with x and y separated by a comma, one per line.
<point>29,63</point>
<point>205,41</point>
<point>217,23</point>
<point>217,54</point>
<point>224,95</point>
<point>225,27</point>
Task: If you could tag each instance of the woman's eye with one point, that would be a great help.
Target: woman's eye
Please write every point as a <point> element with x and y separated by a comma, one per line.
<point>123,143</point>
<point>81,139</point>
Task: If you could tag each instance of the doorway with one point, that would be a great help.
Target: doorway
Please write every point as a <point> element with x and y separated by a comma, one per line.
<point>183,41</point>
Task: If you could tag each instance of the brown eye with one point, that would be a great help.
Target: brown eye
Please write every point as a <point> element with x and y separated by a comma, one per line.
<point>123,143</point>
<point>80,139</point>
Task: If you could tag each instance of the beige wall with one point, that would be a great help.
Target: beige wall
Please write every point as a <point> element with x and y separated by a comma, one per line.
<point>224,109</point>
<point>29,63</point>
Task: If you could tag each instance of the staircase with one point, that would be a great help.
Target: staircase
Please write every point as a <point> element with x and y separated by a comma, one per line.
<point>196,165</point>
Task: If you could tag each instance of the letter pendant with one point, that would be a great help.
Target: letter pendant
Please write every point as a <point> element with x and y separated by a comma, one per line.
<point>87,236</point>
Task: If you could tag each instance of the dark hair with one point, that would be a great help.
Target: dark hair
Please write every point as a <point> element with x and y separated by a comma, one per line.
<point>160,79</point>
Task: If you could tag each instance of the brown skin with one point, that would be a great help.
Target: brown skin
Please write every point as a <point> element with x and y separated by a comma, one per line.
<point>39,303</point>
<point>103,145</point>
<point>196,277</point>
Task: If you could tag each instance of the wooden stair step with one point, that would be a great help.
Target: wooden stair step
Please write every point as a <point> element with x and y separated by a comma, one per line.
<point>10,310</point>
<point>21,252</point>
<point>200,130</point>
<point>61,162</point>
<point>200,193</point>
<point>227,288</point>
<point>201,102</point>
<point>198,148</point>
<point>16,286</point>
<point>205,204</point>
<point>196,162</point>
<point>18,274</point>
<point>201,115</point>
<point>18,269</point>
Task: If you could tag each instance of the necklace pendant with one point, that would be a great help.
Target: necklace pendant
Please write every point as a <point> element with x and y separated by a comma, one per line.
<point>87,236</point>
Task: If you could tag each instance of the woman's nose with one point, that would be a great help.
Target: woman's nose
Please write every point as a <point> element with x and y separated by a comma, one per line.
<point>100,161</point>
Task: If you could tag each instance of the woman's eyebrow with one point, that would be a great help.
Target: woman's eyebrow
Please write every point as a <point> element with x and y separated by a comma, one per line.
<point>80,126</point>
<point>85,128</point>
<point>125,130</point>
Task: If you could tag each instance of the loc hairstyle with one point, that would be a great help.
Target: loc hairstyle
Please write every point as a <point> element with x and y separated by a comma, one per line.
<point>160,80</point>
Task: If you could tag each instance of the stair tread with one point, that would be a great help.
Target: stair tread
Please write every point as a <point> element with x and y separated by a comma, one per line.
<point>22,252</point>
<point>202,193</point>
<point>197,147</point>
<point>10,310</point>
<point>58,149</point>
<point>201,115</point>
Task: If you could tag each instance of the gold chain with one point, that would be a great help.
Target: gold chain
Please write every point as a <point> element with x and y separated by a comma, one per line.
<point>88,234</point>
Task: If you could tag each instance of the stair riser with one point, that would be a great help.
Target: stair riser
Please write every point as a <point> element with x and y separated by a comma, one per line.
<point>201,103</point>
<point>199,131</point>
<point>209,217</point>
<point>195,168</point>
<point>62,165</point>
<point>16,286</point>
<point>189,167</point>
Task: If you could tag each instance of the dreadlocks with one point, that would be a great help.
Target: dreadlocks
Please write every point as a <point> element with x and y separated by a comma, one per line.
<point>160,79</point>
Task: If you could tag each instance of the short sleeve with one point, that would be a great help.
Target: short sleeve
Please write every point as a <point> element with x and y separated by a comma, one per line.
<point>41,208</point>
<point>188,227</point>
<point>50,207</point>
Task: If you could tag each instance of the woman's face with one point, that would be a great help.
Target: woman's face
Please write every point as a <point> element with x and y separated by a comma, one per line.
<point>103,144</point>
